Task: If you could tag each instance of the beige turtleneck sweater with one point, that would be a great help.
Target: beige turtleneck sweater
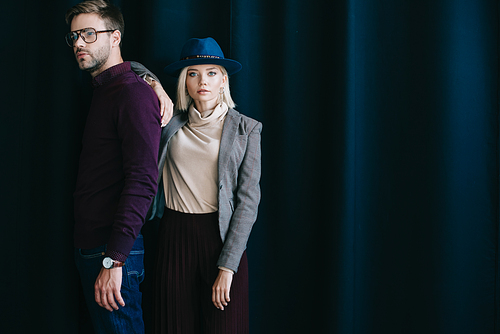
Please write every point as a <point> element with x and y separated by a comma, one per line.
<point>190,174</point>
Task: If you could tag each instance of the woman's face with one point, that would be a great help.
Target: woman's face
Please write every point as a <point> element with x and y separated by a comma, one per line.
<point>203,83</point>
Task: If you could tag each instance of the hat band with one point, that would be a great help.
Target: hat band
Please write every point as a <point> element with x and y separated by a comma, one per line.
<point>201,56</point>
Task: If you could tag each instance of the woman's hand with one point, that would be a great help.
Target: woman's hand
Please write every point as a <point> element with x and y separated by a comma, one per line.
<point>221,288</point>
<point>166,105</point>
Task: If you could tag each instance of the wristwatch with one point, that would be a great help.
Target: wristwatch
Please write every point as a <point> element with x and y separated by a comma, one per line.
<point>109,263</point>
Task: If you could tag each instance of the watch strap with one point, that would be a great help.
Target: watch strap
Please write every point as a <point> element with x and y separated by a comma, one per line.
<point>118,264</point>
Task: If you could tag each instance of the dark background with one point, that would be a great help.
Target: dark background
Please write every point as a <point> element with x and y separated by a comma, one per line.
<point>380,206</point>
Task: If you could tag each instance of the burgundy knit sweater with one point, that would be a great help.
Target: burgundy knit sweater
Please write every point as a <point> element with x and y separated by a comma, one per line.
<point>118,164</point>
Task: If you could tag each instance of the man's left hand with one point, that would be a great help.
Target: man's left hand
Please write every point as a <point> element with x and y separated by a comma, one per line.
<point>107,289</point>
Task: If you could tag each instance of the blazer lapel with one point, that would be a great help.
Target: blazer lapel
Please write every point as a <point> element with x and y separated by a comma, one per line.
<point>172,127</point>
<point>227,139</point>
<point>168,131</point>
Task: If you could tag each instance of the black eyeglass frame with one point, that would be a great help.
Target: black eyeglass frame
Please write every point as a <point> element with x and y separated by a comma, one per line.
<point>71,42</point>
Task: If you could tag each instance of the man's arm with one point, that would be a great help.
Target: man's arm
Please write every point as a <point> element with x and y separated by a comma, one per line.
<point>139,134</point>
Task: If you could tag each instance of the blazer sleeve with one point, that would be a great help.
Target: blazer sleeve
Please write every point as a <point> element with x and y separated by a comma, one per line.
<point>246,201</point>
<point>142,71</point>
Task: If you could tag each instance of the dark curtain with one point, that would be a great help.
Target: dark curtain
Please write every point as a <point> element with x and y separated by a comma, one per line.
<point>380,179</point>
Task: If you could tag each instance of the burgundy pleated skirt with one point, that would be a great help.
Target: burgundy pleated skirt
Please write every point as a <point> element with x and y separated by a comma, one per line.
<point>188,250</point>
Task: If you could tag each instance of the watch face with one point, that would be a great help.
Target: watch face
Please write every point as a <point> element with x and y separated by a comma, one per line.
<point>107,263</point>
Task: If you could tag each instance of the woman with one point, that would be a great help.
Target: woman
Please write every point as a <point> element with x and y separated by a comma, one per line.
<point>207,199</point>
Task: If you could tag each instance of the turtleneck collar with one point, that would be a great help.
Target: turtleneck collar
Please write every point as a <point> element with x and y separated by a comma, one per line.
<point>110,73</point>
<point>207,118</point>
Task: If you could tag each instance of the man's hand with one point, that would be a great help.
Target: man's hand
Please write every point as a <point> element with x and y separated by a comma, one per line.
<point>107,289</point>
<point>166,105</point>
<point>221,288</point>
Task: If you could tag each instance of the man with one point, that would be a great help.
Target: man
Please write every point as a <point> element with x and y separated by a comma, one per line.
<point>117,171</point>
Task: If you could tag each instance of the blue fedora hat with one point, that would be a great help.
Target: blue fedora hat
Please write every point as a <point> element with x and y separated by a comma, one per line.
<point>198,51</point>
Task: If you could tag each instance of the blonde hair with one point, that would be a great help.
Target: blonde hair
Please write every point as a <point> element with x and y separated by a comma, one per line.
<point>183,98</point>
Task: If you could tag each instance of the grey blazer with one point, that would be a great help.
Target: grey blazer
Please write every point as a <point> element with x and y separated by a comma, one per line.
<point>239,177</point>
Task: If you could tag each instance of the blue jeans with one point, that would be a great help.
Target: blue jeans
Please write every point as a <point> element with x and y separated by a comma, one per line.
<point>127,319</point>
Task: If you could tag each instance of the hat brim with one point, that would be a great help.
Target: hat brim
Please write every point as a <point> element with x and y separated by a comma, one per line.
<point>231,66</point>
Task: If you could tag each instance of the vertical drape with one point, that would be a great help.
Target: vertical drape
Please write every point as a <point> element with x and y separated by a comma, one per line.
<point>426,166</point>
<point>380,187</point>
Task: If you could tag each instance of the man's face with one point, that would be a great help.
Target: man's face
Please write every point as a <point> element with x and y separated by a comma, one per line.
<point>91,57</point>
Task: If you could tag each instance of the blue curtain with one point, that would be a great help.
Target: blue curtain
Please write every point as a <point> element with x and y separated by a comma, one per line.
<point>380,207</point>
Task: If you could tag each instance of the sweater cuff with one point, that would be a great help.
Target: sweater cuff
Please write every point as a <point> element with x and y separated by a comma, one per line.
<point>117,256</point>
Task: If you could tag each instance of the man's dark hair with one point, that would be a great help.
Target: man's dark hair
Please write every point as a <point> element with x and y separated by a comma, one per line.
<point>109,13</point>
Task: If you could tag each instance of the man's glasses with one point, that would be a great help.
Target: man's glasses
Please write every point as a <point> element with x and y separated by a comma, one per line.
<point>89,35</point>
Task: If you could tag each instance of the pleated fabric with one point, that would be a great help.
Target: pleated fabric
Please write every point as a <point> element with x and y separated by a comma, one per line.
<point>189,247</point>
